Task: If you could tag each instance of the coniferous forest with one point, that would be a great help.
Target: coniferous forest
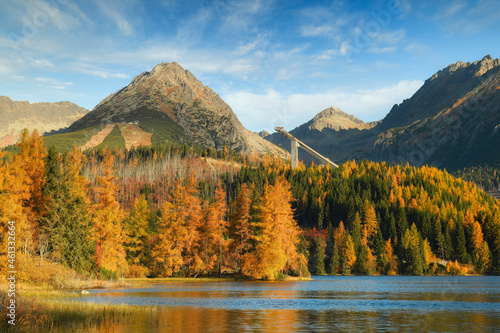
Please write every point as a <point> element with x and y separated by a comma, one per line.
<point>186,211</point>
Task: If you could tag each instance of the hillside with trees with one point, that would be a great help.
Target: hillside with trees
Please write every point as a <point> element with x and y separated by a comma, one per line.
<point>385,218</point>
<point>184,211</point>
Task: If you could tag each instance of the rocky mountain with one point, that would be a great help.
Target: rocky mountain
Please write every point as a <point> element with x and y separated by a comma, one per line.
<point>452,121</point>
<point>335,119</point>
<point>264,133</point>
<point>45,117</point>
<point>174,106</point>
<point>332,132</point>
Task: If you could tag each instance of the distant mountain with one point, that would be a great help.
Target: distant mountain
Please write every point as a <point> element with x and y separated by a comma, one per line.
<point>331,132</point>
<point>452,121</point>
<point>45,117</point>
<point>174,106</point>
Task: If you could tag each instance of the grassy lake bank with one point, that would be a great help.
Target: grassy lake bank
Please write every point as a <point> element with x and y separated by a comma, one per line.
<point>44,308</point>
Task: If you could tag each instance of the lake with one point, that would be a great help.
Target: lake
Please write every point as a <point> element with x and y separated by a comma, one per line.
<point>325,304</point>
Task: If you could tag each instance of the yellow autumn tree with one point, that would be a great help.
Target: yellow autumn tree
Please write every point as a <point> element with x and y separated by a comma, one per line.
<point>177,248</point>
<point>21,199</point>
<point>107,218</point>
<point>370,223</point>
<point>390,262</point>
<point>339,235</point>
<point>172,235</point>
<point>14,190</point>
<point>31,159</point>
<point>477,240</point>
<point>349,254</point>
<point>214,231</point>
<point>240,222</point>
<point>276,234</point>
<point>136,228</point>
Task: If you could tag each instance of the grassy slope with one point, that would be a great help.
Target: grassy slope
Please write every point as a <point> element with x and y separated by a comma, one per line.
<point>114,139</point>
<point>65,141</point>
<point>164,130</point>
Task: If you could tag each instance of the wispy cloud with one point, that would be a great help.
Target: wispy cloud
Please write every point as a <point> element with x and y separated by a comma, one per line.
<point>48,82</point>
<point>38,13</point>
<point>95,71</point>
<point>118,12</point>
<point>237,15</point>
<point>382,50</point>
<point>468,17</point>
<point>318,30</point>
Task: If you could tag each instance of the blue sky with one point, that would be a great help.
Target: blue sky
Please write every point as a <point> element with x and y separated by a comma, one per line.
<point>274,62</point>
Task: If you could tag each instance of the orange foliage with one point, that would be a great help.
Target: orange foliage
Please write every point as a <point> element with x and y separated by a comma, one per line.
<point>107,218</point>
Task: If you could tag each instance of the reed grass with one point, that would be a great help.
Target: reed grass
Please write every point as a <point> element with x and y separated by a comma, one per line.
<point>40,309</point>
<point>71,315</point>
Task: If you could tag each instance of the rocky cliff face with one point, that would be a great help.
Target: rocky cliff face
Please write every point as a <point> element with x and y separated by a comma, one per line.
<point>45,117</point>
<point>173,97</point>
<point>452,121</point>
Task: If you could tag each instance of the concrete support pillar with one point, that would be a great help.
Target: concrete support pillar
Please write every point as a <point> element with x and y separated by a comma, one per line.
<point>295,154</point>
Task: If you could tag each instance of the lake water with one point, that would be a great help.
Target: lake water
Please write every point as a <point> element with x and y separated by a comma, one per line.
<point>325,304</point>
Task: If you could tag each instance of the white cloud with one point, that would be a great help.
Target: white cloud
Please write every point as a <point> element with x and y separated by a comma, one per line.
<point>318,30</point>
<point>40,13</point>
<point>116,11</point>
<point>48,82</point>
<point>391,37</point>
<point>273,108</point>
<point>417,49</point>
<point>94,71</point>
<point>240,14</point>
<point>382,50</point>
<point>43,64</point>
<point>343,50</point>
<point>467,18</point>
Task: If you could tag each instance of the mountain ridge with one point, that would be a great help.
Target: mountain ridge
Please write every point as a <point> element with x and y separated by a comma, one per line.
<point>451,122</point>
<point>175,106</point>
<point>43,116</point>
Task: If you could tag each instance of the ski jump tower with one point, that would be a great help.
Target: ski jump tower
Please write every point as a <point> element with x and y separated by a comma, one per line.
<point>296,143</point>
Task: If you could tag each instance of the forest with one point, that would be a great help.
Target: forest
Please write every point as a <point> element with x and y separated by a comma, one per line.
<point>186,211</point>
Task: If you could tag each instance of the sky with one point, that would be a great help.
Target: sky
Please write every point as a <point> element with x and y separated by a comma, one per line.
<point>276,63</point>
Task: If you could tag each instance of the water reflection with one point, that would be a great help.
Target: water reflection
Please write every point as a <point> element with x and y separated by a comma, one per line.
<point>329,304</point>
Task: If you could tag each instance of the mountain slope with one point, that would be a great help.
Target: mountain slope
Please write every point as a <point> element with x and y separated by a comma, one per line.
<point>45,117</point>
<point>332,132</point>
<point>174,106</point>
<point>453,121</point>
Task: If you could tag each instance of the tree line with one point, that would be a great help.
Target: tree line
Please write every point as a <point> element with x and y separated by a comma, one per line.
<point>65,217</point>
<point>381,218</point>
<point>163,211</point>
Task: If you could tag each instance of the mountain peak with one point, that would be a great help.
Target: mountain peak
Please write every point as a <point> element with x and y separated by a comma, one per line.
<point>336,119</point>
<point>477,68</point>
<point>485,64</point>
<point>172,103</point>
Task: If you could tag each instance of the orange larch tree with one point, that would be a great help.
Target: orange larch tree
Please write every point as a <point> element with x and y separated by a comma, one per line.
<point>136,229</point>
<point>178,244</point>
<point>107,218</point>
<point>349,255</point>
<point>214,230</point>
<point>276,234</point>
<point>240,222</point>
<point>370,223</point>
